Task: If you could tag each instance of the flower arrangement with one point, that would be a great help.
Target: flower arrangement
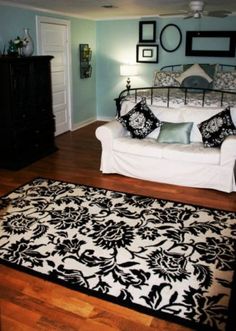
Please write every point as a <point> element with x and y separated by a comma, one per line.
<point>16,45</point>
<point>20,42</point>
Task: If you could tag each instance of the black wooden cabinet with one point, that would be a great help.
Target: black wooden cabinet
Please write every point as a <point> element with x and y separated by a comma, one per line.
<point>27,123</point>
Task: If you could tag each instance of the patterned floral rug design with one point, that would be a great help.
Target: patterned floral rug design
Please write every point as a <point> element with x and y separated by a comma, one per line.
<point>167,259</point>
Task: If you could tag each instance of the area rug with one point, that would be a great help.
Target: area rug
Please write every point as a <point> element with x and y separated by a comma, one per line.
<point>167,259</point>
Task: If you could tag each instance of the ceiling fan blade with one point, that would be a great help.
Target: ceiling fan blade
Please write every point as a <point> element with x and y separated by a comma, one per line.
<point>189,16</point>
<point>219,13</point>
<point>173,14</point>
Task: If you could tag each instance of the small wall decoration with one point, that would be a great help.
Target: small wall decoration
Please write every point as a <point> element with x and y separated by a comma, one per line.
<point>147,53</point>
<point>170,37</point>
<point>85,58</point>
<point>147,31</point>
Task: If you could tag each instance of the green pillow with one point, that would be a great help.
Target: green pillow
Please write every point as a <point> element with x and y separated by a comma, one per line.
<point>175,133</point>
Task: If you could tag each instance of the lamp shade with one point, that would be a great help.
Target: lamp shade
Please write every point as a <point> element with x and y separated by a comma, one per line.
<point>128,70</point>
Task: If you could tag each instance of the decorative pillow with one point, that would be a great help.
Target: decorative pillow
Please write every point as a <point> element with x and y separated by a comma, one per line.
<point>215,129</point>
<point>195,81</point>
<point>210,69</point>
<point>225,80</point>
<point>140,121</point>
<point>166,78</point>
<point>194,70</point>
<point>178,133</point>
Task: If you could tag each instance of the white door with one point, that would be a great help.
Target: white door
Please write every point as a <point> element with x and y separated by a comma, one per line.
<point>53,39</point>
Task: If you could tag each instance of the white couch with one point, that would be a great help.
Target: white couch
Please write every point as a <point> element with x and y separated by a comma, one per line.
<point>182,164</point>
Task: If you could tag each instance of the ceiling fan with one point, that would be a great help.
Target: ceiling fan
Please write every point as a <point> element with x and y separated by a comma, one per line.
<point>197,11</point>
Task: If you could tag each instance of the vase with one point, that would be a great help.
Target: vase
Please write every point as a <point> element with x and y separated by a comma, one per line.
<point>28,48</point>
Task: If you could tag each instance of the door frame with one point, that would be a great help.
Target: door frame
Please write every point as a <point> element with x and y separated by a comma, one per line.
<point>57,21</point>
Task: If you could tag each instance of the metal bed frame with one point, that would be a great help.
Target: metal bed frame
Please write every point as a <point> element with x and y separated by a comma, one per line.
<point>135,92</point>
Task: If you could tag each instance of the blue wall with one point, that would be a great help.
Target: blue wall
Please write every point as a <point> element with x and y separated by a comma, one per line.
<point>116,44</point>
<point>12,22</point>
<point>113,43</point>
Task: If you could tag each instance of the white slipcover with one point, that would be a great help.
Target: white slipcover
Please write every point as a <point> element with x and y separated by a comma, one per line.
<point>188,165</point>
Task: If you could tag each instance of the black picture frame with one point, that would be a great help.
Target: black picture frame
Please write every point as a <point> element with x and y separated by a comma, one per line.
<point>175,42</point>
<point>229,52</point>
<point>147,53</point>
<point>147,31</point>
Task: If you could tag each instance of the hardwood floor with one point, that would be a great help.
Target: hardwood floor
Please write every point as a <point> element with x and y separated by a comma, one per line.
<point>29,303</point>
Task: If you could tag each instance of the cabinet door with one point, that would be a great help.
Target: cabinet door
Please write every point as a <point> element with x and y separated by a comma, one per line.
<point>42,90</point>
<point>21,92</point>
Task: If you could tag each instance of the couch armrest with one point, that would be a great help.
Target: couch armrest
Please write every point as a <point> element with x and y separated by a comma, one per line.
<point>228,150</point>
<point>107,132</point>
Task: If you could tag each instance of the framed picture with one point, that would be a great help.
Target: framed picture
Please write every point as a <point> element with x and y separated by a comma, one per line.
<point>210,43</point>
<point>147,31</point>
<point>147,53</point>
<point>170,37</point>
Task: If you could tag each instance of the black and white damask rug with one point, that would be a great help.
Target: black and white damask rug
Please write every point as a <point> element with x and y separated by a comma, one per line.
<point>167,259</point>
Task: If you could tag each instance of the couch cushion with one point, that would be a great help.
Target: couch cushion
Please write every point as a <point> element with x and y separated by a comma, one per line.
<point>175,132</point>
<point>194,152</point>
<point>148,147</point>
<point>197,115</point>
<point>215,129</point>
<point>167,114</point>
<point>140,121</point>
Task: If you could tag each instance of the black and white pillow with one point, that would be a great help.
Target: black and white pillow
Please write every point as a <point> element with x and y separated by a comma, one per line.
<point>215,129</point>
<point>140,121</point>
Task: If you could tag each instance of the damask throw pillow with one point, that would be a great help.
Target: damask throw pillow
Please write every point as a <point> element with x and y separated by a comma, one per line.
<point>225,80</point>
<point>215,129</point>
<point>166,78</point>
<point>140,121</point>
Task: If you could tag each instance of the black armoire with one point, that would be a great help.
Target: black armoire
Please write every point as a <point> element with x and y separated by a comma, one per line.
<point>27,123</point>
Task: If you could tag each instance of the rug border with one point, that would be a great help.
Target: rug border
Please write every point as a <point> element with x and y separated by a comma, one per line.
<point>145,310</point>
<point>112,190</point>
<point>77,288</point>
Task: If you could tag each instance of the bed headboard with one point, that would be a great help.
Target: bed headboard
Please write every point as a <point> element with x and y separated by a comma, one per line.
<point>179,67</point>
<point>219,76</point>
<point>176,97</point>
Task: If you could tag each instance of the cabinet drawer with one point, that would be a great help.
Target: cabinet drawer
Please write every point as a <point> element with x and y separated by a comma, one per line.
<point>42,140</point>
<point>26,146</point>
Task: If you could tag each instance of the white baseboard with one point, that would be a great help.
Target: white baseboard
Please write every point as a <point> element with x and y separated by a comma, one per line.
<point>79,125</point>
<point>106,119</point>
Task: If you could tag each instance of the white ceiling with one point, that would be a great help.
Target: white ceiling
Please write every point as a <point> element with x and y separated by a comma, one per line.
<point>93,9</point>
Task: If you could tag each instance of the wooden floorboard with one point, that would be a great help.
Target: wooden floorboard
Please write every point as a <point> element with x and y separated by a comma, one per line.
<point>29,303</point>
